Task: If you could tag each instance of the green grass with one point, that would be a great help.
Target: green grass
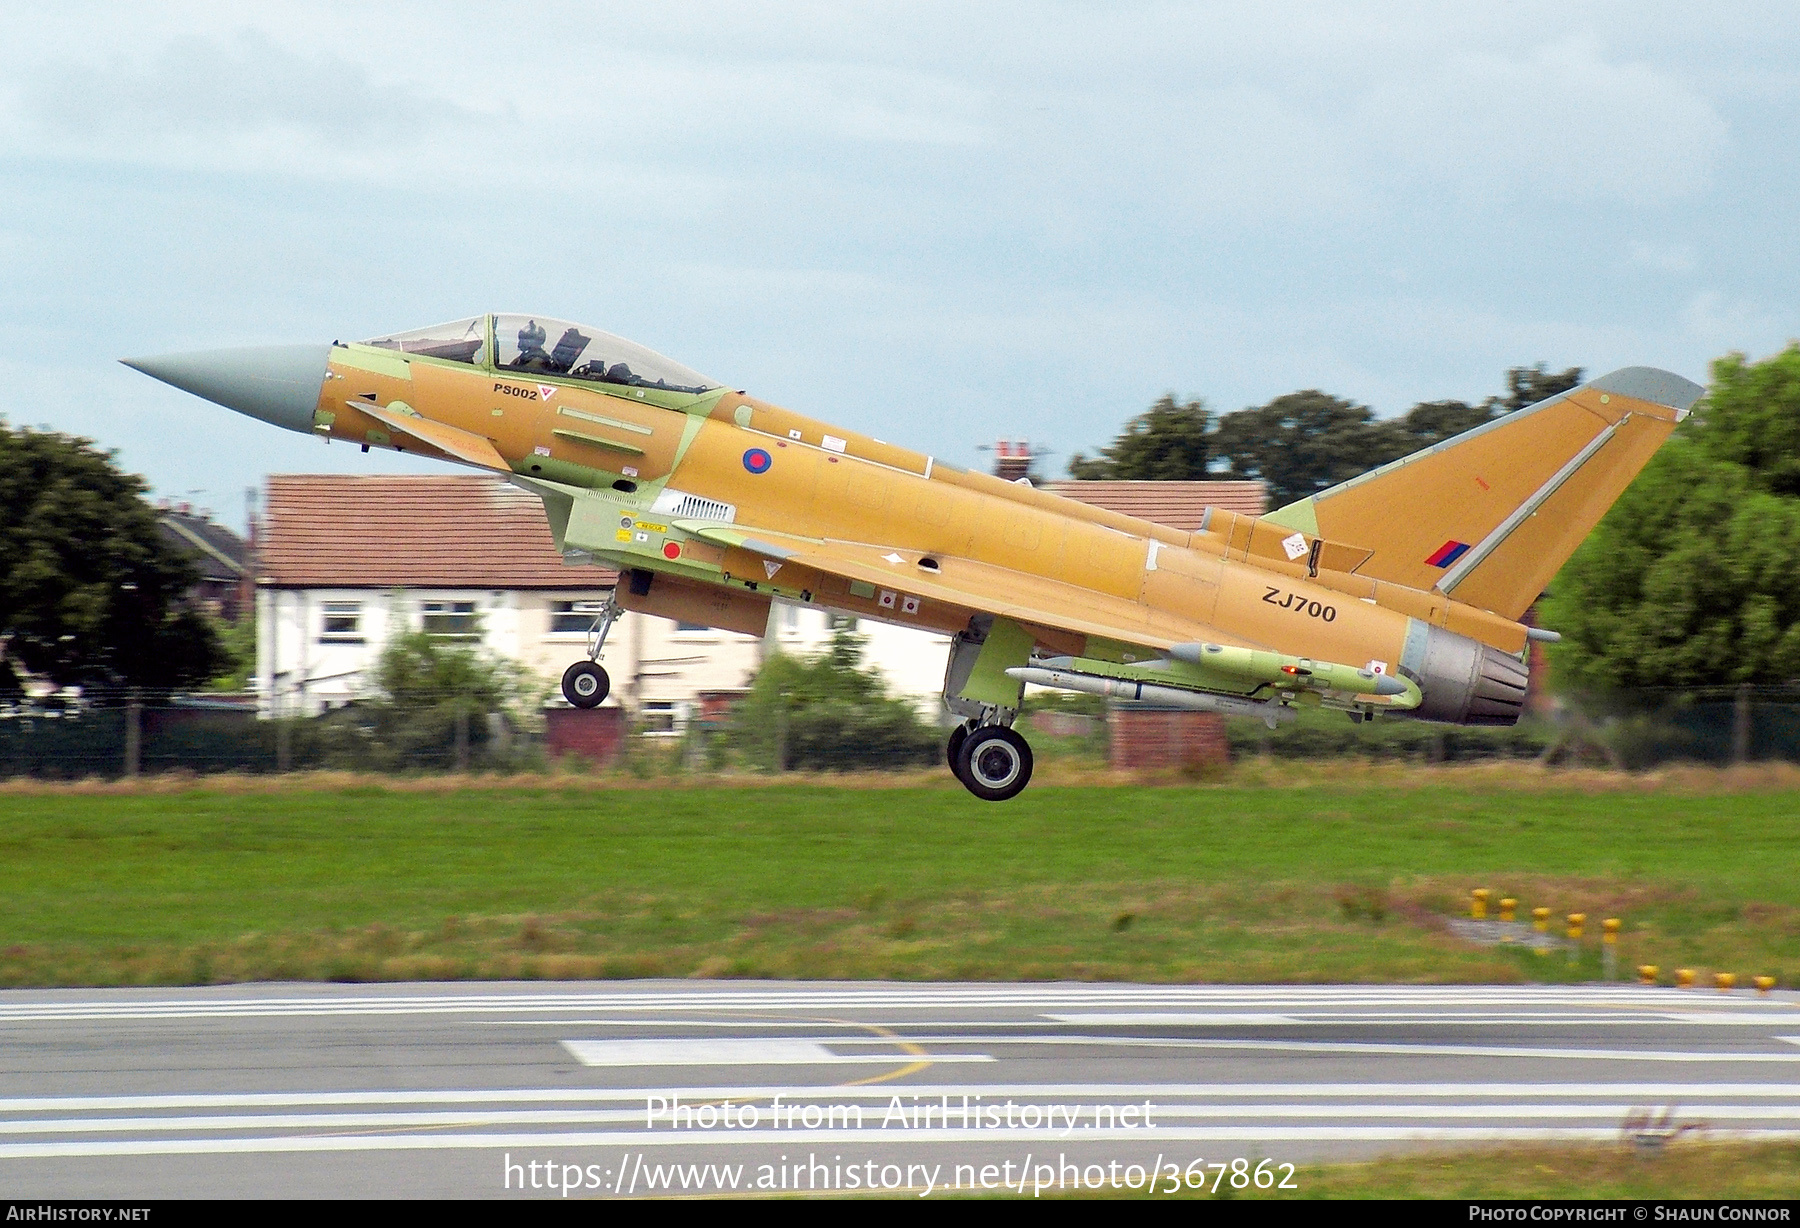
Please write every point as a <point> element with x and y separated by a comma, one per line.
<point>1340,881</point>
<point>1679,1172</point>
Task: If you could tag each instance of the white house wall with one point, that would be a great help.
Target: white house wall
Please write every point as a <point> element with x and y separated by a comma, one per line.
<point>656,666</point>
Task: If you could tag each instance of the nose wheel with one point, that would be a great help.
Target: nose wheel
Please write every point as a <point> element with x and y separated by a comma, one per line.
<point>585,684</point>
<point>993,762</point>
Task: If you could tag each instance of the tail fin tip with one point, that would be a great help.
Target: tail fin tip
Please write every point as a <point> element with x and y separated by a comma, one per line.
<point>1651,384</point>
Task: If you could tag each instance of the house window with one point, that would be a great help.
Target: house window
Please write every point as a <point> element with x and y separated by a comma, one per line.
<point>573,617</point>
<point>342,622</point>
<point>843,622</point>
<point>450,619</point>
<point>658,718</point>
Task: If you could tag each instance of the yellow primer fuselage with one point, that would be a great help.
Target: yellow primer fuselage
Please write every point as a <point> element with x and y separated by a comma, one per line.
<point>642,480</point>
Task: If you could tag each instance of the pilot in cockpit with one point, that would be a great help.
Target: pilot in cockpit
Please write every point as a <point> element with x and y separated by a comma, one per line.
<point>531,346</point>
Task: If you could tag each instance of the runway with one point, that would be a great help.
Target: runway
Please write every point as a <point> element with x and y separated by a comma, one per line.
<point>658,1088</point>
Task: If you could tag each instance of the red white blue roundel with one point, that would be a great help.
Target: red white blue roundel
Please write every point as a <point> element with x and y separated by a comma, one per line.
<point>758,461</point>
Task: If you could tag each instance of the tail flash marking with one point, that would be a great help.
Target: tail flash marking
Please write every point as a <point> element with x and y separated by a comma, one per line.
<point>1447,553</point>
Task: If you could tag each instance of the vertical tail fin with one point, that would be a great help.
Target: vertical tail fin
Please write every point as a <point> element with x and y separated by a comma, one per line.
<point>1489,516</point>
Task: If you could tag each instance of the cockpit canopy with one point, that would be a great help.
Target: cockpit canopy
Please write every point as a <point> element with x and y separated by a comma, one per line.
<point>540,345</point>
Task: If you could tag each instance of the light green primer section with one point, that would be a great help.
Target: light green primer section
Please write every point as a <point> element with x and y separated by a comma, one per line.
<point>1008,646</point>
<point>378,361</point>
<point>618,425</point>
<point>1119,652</point>
<point>689,431</point>
<point>598,441</point>
<point>1172,673</point>
<point>1303,515</point>
<point>567,473</point>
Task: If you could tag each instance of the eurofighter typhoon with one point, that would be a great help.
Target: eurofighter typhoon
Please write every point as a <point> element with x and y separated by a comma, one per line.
<point>1398,593</point>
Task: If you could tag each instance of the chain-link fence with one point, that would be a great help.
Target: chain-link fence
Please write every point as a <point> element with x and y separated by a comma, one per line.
<point>111,734</point>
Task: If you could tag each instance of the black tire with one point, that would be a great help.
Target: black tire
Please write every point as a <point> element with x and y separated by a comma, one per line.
<point>585,684</point>
<point>994,763</point>
<point>954,751</point>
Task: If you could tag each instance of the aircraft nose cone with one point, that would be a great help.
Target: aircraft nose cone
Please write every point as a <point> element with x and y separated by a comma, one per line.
<point>276,383</point>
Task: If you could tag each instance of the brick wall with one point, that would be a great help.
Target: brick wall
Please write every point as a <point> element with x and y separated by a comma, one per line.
<point>1167,738</point>
<point>595,734</point>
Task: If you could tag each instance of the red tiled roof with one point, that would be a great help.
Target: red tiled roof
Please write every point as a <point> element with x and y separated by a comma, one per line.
<point>1179,505</point>
<point>425,531</point>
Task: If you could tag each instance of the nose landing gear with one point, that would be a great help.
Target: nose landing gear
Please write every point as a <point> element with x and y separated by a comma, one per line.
<point>585,683</point>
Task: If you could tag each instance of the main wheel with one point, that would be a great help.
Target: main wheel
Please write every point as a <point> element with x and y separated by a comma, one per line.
<point>585,684</point>
<point>953,752</point>
<point>994,763</point>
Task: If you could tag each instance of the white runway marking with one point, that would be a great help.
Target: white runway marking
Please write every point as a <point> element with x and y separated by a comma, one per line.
<point>1408,1019</point>
<point>621,1139</point>
<point>1683,1093</point>
<point>504,1000</point>
<point>1350,1046</point>
<point>872,1113</point>
<point>754,1051</point>
<point>1180,1018</point>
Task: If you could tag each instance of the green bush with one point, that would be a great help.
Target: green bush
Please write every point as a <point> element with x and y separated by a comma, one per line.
<point>828,713</point>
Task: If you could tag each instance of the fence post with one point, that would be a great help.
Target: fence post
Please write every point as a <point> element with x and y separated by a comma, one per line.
<point>1740,725</point>
<point>284,743</point>
<point>462,738</point>
<point>134,734</point>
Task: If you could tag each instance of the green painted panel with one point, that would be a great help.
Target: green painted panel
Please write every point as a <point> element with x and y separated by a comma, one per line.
<point>1303,515</point>
<point>1008,646</point>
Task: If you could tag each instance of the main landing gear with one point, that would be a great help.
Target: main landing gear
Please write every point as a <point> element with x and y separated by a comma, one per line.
<point>585,683</point>
<point>992,761</point>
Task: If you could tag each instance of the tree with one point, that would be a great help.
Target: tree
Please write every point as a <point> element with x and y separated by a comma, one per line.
<point>432,693</point>
<point>90,593</point>
<point>1689,580</point>
<point>1166,443</point>
<point>1300,443</point>
<point>1529,385</point>
<point>1304,442</point>
<point>830,713</point>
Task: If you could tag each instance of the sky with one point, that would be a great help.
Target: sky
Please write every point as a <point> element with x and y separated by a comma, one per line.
<point>941,224</point>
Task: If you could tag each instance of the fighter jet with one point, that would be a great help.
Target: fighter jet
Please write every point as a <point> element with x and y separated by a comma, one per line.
<point>1397,594</point>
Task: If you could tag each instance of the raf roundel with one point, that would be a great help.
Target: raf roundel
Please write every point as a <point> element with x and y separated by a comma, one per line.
<point>758,461</point>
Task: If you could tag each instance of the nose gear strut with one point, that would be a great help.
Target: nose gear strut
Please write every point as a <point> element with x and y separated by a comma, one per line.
<point>585,684</point>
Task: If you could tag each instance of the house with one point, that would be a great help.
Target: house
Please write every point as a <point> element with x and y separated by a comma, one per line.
<point>346,562</point>
<point>220,556</point>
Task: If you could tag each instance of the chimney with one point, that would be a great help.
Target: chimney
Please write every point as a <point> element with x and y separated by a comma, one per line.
<point>1012,459</point>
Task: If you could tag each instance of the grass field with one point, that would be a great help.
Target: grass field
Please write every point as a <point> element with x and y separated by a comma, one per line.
<point>1680,1171</point>
<point>1277,874</point>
